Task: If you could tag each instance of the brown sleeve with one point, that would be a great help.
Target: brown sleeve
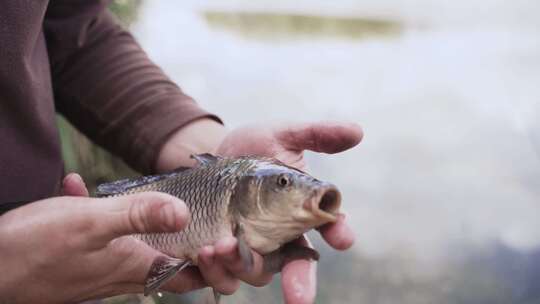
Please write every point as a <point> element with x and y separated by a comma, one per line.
<point>105,84</point>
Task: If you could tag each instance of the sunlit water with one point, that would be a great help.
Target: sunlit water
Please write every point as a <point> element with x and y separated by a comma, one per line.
<point>451,158</point>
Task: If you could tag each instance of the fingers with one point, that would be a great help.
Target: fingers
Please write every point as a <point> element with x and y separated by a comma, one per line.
<point>299,280</point>
<point>137,258</point>
<point>326,137</point>
<point>338,235</point>
<point>227,254</point>
<point>215,273</point>
<point>222,267</point>
<point>140,213</point>
<point>73,185</point>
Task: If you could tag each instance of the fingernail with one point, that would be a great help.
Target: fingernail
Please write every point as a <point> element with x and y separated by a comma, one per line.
<point>226,245</point>
<point>168,216</point>
<point>66,178</point>
<point>77,177</point>
<point>206,255</point>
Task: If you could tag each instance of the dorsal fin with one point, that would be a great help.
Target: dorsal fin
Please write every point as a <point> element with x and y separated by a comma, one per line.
<point>123,185</point>
<point>205,158</point>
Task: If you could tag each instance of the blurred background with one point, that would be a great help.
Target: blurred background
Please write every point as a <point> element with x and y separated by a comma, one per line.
<point>444,191</point>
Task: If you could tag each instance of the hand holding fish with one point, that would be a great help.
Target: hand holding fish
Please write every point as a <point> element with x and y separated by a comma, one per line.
<point>59,250</point>
<point>287,144</point>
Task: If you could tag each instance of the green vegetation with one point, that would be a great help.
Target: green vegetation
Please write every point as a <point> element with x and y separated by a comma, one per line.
<point>259,25</point>
<point>126,10</point>
<point>86,158</point>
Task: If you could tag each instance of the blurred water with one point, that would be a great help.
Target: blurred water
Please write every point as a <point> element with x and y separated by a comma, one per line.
<point>450,165</point>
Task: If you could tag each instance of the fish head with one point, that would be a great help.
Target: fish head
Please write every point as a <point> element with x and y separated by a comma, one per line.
<point>277,203</point>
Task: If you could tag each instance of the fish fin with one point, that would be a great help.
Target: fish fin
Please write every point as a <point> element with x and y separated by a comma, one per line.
<point>205,158</point>
<point>124,185</point>
<point>163,269</point>
<point>275,260</point>
<point>217,296</point>
<point>243,248</point>
<point>179,169</point>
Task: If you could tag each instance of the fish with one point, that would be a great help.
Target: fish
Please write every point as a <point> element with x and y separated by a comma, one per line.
<point>261,201</point>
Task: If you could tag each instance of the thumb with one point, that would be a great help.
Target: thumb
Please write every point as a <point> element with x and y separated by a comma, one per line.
<point>73,185</point>
<point>144,212</point>
<point>324,136</point>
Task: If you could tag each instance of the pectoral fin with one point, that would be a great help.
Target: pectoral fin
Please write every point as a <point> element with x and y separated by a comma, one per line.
<point>274,261</point>
<point>163,269</point>
<point>213,298</point>
<point>217,296</point>
<point>243,249</point>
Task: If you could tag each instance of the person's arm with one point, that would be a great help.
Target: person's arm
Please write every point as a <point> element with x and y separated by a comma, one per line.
<point>105,84</point>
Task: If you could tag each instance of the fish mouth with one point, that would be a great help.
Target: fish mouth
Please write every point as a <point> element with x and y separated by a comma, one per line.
<point>325,203</point>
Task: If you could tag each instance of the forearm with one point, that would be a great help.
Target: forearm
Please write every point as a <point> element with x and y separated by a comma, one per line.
<point>106,85</point>
<point>200,136</point>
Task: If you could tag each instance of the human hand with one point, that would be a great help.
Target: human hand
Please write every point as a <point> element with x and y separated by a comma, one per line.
<point>70,249</point>
<point>220,264</point>
<point>287,144</point>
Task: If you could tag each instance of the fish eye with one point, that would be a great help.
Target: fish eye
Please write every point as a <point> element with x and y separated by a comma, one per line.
<point>283,180</point>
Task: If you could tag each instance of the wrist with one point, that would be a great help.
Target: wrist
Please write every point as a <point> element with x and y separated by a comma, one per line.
<point>203,135</point>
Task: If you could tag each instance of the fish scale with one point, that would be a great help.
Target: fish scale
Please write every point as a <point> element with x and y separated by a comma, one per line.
<point>205,192</point>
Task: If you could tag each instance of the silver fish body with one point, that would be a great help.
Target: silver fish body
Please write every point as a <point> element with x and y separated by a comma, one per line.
<point>261,201</point>
<point>206,190</point>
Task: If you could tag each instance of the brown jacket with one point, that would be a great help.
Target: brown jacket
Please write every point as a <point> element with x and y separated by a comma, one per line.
<point>70,56</point>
